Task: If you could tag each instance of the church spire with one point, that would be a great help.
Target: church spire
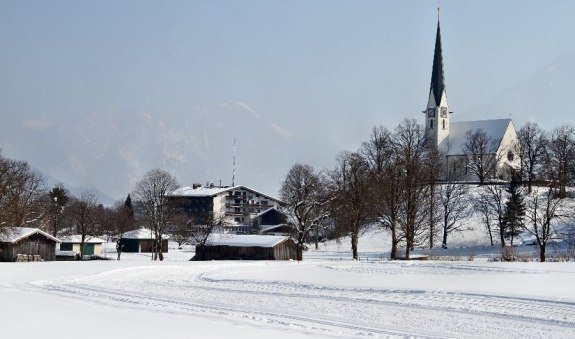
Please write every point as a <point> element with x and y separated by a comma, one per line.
<point>437,78</point>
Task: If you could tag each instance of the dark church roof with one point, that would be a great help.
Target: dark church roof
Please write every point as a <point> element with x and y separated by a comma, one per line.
<point>437,78</point>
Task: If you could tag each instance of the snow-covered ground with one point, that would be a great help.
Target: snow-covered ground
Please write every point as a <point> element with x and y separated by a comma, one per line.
<point>326,295</point>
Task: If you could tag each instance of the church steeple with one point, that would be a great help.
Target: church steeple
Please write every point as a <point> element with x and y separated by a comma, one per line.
<point>437,112</point>
<point>437,79</point>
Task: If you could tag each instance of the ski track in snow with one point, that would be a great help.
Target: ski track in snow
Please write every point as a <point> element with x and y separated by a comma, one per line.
<point>325,309</point>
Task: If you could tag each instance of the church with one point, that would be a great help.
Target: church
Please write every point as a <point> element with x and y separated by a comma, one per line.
<point>451,137</point>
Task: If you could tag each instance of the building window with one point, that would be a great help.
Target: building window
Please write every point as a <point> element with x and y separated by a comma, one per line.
<point>431,123</point>
<point>264,202</point>
<point>443,123</point>
<point>510,156</point>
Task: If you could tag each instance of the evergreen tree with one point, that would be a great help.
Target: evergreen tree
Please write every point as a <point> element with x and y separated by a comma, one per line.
<point>129,207</point>
<point>514,209</point>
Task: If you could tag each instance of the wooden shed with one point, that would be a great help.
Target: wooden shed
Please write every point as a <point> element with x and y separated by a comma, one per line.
<point>141,240</point>
<point>246,247</point>
<point>92,245</point>
<point>27,244</point>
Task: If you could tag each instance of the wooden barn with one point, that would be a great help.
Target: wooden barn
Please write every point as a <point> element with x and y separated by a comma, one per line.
<point>246,247</point>
<point>27,244</point>
<point>141,240</point>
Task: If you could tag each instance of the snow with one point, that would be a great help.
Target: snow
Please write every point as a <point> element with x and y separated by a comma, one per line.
<point>325,296</point>
<point>77,238</point>
<point>201,191</point>
<point>140,233</point>
<point>246,240</point>
<point>494,129</point>
<point>15,234</point>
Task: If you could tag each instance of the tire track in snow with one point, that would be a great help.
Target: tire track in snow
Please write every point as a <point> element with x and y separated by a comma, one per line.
<point>316,324</point>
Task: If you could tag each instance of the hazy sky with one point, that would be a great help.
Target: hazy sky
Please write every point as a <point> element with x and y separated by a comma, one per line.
<point>328,68</point>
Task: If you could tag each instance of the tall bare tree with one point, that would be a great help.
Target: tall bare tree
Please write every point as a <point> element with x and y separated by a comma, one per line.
<point>379,152</point>
<point>151,194</point>
<point>352,204</point>
<point>21,188</point>
<point>481,153</point>
<point>560,164</point>
<point>454,200</point>
<point>415,157</point>
<point>544,208</point>
<point>86,218</point>
<point>304,193</point>
<point>495,197</point>
<point>533,146</point>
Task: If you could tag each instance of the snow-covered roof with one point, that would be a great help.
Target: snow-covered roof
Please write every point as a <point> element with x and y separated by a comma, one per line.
<point>267,211</point>
<point>494,129</point>
<point>213,191</point>
<point>267,228</point>
<point>77,238</point>
<point>141,233</point>
<point>245,240</point>
<point>15,234</point>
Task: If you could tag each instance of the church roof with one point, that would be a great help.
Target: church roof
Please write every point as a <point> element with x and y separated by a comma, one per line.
<point>437,79</point>
<point>494,129</point>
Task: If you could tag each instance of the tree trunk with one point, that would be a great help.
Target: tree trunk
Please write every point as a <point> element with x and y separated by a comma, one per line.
<point>316,237</point>
<point>354,239</point>
<point>502,234</point>
<point>542,253</point>
<point>444,244</point>
<point>490,234</point>
<point>393,254</point>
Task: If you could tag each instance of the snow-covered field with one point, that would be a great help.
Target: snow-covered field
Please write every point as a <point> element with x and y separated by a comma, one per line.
<point>326,295</point>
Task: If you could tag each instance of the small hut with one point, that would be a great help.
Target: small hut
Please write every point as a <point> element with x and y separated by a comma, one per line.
<point>141,240</point>
<point>246,247</point>
<point>92,245</point>
<point>27,244</point>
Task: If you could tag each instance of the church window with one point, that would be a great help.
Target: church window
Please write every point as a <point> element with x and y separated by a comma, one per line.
<point>443,123</point>
<point>510,156</point>
<point>444,112</point>
<point>431,123</point>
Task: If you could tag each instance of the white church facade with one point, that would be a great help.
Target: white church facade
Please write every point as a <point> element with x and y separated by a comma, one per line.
<point>451,137</point>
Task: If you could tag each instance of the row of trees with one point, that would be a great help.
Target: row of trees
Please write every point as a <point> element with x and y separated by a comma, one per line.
<point>25,201</point>
<point>398,180</point>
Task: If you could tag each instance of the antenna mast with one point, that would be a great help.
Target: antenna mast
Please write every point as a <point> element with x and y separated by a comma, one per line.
<point>234,165</point>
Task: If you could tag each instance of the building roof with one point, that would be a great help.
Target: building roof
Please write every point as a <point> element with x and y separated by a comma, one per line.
<point>213,191</point>
<point>267,211</point>
<point>437,79</point>
<point>15,234</point>
<point>245,240</point>
<point>77,239</point>
<point>494,129</point>
<point>140,233</point>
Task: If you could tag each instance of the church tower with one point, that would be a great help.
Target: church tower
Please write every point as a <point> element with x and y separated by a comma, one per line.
<point>437,112</point>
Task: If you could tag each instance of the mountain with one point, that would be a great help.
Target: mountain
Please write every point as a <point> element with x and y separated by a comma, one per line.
<point>544,96</point>
<point>109,150</point>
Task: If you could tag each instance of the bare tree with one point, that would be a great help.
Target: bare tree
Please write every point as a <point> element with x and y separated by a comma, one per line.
<point>304,193</point>
<point>481,153</point>
<point>544,208</point>
<point>352,204</point>
<point>483,206</point>
<point>495,196</point>
<point>415,157</point>
<point>86,218</point>
<point>20,191</point>
<point>379,152</point>
<point>151,194</point>
<point>454,200</point>
<point>560,162</point>
<point>533,147</point>
<point>201,227</point>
